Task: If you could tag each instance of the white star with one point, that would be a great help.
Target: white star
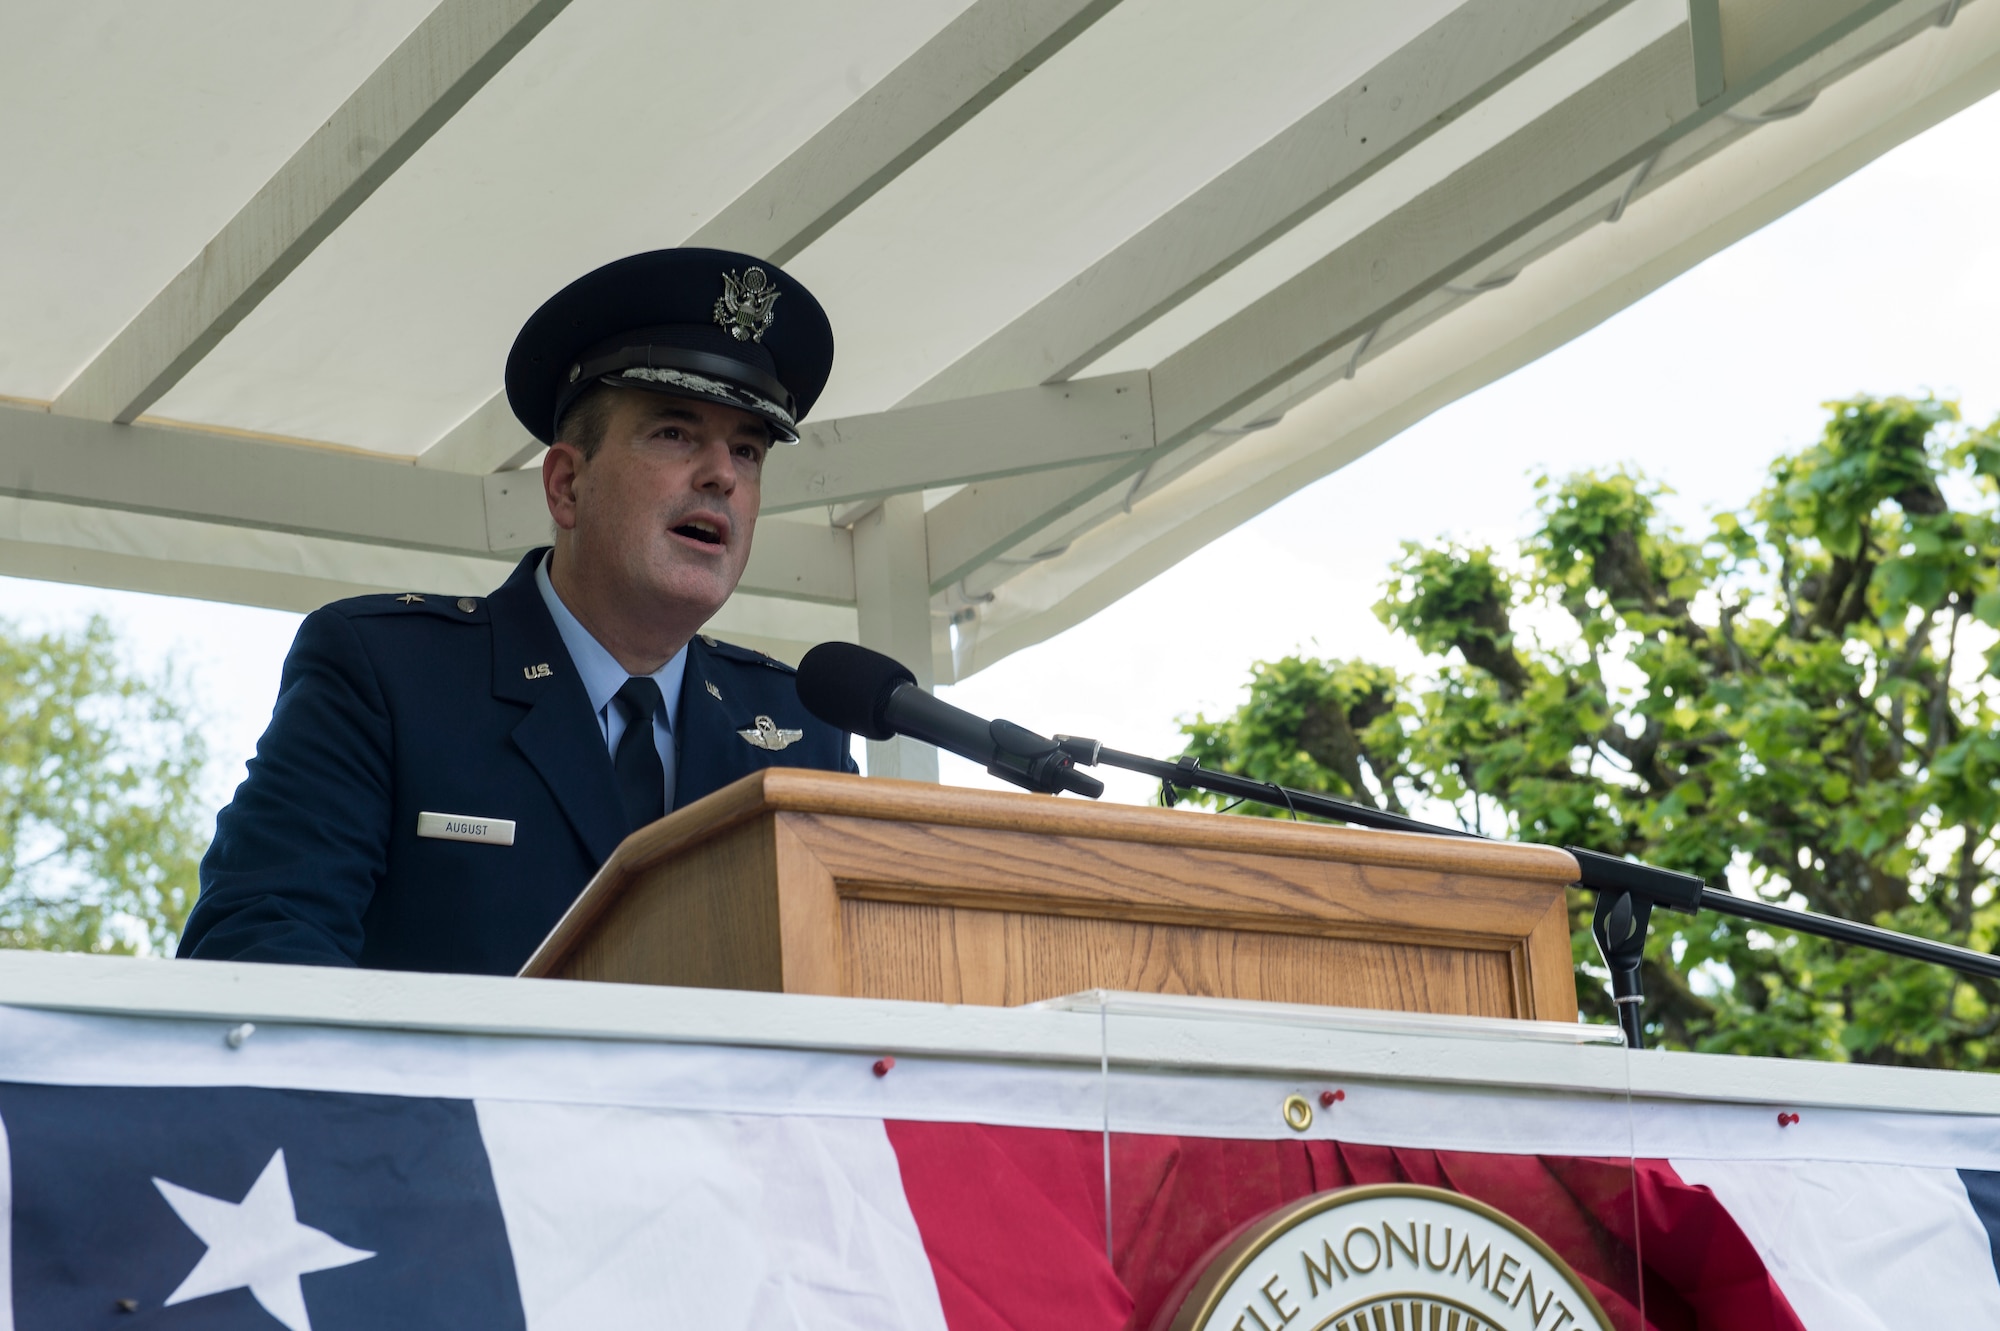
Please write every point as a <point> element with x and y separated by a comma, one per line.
<point>257,1242</point>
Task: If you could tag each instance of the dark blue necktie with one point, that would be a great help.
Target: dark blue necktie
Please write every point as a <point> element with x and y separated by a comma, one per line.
<point>642,782</point>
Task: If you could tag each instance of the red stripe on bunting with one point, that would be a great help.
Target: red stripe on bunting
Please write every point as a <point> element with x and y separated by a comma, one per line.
<point>1013,1222</point>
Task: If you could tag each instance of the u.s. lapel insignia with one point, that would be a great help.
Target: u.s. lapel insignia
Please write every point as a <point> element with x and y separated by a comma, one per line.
<point>766,735</point>
<point>713,692</point>
<point>744,307</point>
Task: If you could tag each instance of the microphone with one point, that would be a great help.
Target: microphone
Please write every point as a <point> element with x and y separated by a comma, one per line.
<point>876,697</point>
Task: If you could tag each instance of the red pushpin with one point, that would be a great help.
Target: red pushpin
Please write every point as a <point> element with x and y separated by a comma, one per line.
<point>1328,1099</point>
<point>1786,1120</point>
<point>882,1066</point>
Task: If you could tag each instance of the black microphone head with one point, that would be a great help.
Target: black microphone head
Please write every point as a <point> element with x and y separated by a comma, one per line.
<point>848,686</point>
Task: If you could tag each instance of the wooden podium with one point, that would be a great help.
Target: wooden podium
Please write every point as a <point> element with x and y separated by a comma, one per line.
<point>818,883</point>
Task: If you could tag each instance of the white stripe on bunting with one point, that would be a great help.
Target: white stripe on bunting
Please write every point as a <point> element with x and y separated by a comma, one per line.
<point>1862,1247</point>
<point>629,1217</point>
<point>76,1049</point>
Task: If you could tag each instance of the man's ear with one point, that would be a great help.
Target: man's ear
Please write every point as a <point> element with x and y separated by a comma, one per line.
<point>562,467</point>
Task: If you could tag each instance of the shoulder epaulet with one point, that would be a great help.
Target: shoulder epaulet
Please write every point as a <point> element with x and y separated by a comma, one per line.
<point>731,652</point>
<point>463,609</point>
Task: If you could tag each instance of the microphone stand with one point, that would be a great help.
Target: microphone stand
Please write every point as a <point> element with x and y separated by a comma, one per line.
<point>1626,891</point>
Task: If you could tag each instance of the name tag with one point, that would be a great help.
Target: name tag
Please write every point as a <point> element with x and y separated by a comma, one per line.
<point>458,827</point>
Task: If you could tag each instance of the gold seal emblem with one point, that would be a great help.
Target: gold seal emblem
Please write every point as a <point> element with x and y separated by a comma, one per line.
<point>1393,1255</point>
<point>744,307</point>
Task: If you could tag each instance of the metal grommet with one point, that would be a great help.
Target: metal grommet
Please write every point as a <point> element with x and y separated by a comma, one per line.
<point>1298,1114</point>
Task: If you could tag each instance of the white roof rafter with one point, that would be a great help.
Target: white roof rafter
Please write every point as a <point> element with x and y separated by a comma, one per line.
<point>1564,293</point>
<point>978,56</point>
<point>1348,257</point>
<point>434,73</point>
<point>1367,124</point>
<point>1600,139</point>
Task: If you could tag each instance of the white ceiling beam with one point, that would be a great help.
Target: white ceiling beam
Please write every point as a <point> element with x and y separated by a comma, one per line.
<point>860,458</point>
<point>799,561</point>
<point>1376,118</point>
<point>1581,146</point>
<point>409,97</point>
<point>1591,139</point>
<point>231,481</point>
<point>947,81</point>
<point>238,481</point>
<point>1586,281</point>
<point>989,519</point>
<point>96,547</point>
<point>1382,114</point>
<point>1705,31</point>
<point>1035,437</point>
<point>922,102</point>
<point>969,439</point>
<point>864,458</point>
<point>1757,37</point>
<point>490,439</point>
<point>1579,286</point>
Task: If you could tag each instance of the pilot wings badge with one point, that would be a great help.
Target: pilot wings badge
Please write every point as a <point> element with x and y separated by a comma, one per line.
<point>744,308</point>
<point>766,735</point>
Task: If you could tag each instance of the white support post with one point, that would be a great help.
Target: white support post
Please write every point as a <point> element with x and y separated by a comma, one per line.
<point>892,585</point>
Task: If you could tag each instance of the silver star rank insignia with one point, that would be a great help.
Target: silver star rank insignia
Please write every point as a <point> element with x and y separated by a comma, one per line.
<point>766,735</point>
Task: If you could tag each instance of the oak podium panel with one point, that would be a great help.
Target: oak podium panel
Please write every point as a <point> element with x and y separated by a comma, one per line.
<point>819,883</point>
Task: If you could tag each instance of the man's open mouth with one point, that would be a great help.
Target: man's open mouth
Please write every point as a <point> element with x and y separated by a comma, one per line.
<point>700,530</point>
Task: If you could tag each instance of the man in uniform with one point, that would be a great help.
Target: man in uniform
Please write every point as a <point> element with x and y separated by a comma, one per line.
<point>443,774</point>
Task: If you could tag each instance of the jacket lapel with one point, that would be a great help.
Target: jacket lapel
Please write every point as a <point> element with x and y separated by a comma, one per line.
<point>708,753</point>
<point>558,736</point>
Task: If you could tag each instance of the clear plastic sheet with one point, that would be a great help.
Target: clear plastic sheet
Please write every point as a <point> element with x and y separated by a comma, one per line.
<point>1280,1167</point>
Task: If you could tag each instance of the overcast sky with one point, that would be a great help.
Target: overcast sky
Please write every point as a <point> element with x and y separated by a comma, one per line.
<point>1887,283</point>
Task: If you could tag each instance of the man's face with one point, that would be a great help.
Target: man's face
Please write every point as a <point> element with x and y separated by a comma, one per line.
<point>661,514</point>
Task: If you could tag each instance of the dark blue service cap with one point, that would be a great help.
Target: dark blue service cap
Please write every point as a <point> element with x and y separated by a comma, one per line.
<point>708,324</point>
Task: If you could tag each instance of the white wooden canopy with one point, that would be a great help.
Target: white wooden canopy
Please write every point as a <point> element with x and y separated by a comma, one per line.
<point>1107,278</point>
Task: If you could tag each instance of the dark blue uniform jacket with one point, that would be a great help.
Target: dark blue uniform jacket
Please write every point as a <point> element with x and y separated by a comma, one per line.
<point>393,706</point>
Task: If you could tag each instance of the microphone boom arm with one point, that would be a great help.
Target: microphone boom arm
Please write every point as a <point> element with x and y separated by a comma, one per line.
<point>866,693</point>
<point>1626,891</point>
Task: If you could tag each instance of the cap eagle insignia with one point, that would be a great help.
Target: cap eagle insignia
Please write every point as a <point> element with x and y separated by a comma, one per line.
<point>744,308</point>
<point>765,734</point>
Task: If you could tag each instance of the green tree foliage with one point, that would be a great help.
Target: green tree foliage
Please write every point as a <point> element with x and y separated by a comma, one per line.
<point>101,818</point>
<point>1803,703</point>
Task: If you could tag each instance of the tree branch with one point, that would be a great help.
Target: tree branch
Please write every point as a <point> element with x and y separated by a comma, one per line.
<point>1328,739</point>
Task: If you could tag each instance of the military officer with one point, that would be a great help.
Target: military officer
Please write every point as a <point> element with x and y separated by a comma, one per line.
<point>442,774</point>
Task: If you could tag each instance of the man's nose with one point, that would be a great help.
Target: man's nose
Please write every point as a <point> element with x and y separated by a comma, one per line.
<point>715,467</point>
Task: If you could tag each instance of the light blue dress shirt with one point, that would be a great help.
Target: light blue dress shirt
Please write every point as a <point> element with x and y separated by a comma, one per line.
<point>602,677</point>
